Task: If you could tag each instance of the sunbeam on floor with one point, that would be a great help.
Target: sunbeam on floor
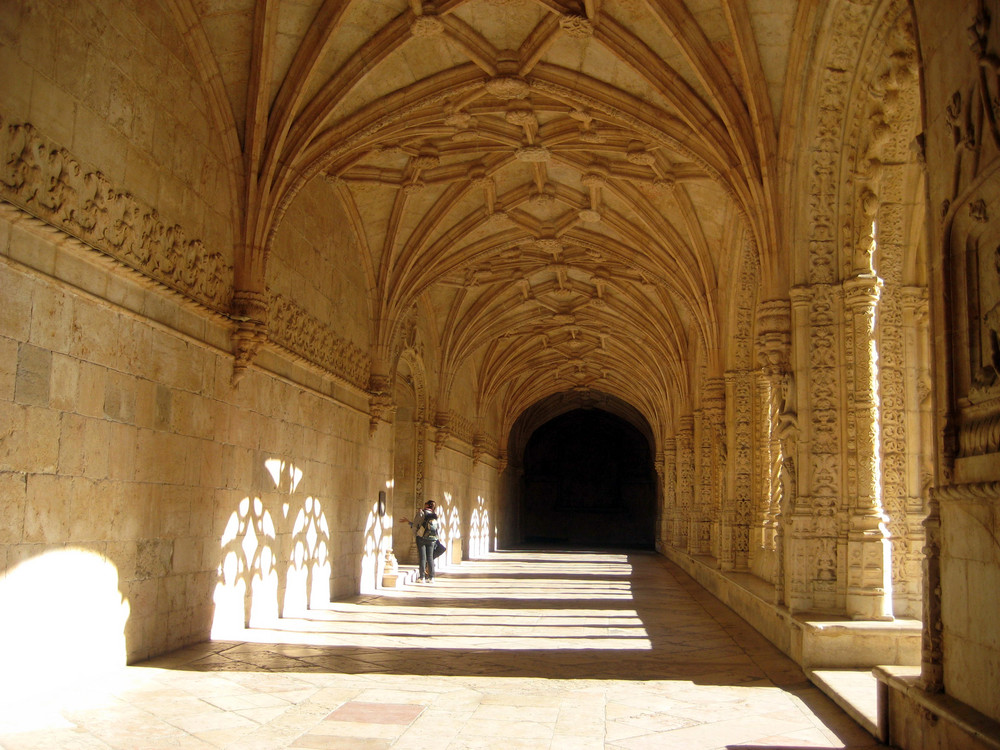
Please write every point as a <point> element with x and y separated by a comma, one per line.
<point>520,650</point>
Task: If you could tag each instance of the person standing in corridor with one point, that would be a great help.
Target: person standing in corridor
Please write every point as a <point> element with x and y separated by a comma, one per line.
<point>426,527</point>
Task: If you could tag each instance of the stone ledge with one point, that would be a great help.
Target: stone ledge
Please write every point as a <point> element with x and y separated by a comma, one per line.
<point>911,717</point>
<point>813,641</point>
<point>854,690</point>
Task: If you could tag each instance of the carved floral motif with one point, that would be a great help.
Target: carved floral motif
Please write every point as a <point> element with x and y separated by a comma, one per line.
<point>49,183</point>
<point>301,333</point>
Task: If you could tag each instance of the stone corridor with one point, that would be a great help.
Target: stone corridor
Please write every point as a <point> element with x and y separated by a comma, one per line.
<point>519,650</point>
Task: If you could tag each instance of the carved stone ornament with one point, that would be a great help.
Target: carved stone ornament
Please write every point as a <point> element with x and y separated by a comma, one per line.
<point>664,184</point>
<point>379,407</point>
<point>299,332</point>
<point>507,87</point>
<point>49,183</point>
<point>427,26</point>
<point>533,154</point>
<point>250,314</point>
<point>576,26</point>
<point>522,116</point>
<point>594,179</point>
<point>590,216</point>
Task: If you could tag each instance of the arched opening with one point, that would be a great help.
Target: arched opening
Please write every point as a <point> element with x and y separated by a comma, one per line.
<point>588,481</point>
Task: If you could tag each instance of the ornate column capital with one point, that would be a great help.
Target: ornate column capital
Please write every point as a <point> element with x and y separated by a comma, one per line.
<point>864,289</point>
<point>774,322</point>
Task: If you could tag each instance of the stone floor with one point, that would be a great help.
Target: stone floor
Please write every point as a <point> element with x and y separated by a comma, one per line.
<point>521,650</point>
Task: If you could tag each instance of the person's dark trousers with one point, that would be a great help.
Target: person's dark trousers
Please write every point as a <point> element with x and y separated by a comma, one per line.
<point>426,548</point>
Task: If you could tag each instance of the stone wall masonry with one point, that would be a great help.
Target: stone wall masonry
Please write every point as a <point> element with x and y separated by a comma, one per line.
<point>112,84</point>
<point>468,497</point>
<point>124,441</point>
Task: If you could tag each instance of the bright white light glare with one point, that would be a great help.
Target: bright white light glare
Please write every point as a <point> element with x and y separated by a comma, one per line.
<point>277,468</point>
<point>274,466</point>
<point>63,617</point>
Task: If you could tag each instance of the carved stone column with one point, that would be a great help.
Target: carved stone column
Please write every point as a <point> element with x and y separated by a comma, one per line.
<point>807,538</point>
<point>869,585</point>
<point>772,416</point>
<point>685,480</point>
<point>734,542</point>
<point>699,517</point>
<point>668,513</point>
<point>919,465</point>
<point>710,462</point>
<point>932,638</point>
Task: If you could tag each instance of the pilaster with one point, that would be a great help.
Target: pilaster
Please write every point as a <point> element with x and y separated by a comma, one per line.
<point>734,539</point>
<point>685,480</point>
<point>669,484</point>
<point>869,584</point>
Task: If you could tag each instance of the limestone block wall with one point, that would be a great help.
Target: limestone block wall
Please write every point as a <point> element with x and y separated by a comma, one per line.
<point>111,82</point>
<point>466,496</point>
<point>142,493</point>
<point>962,644</point>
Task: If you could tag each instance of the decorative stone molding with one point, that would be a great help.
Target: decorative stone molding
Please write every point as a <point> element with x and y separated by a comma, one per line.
<point>737,502</point>
<point>774,335</point>
<point>478,448</point>
<point>300,333</point>
<point>49,183</point>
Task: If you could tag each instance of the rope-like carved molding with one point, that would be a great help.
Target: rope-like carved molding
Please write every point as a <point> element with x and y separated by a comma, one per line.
<point>299,332</point>
<point>462,427</point>
<point>980,436</point>
<point>46,181</point>
<point>978,491</point>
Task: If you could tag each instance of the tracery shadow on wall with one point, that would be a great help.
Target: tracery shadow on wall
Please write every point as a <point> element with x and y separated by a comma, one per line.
<point>275,554</point>
<point>479,529</point>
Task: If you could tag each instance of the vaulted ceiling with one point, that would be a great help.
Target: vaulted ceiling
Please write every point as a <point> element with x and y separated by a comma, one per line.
<point>564,189</point>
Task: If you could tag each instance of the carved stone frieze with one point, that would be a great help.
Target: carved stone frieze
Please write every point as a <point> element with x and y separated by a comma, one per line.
<point>293,328</point>
<point>48,182</point>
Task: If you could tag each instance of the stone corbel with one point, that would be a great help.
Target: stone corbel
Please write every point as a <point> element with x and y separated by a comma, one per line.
<point>249,312</point>
<point>478,448</point>
<point>379,402</point>
<point>380,407</point>
<point>442,431</point>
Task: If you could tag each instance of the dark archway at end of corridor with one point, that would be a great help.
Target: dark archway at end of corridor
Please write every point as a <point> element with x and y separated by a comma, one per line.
<point>588,481</point>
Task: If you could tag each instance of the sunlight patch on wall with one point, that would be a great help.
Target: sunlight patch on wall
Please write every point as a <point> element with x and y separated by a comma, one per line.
<point>276,556</point>
<point>62,615</point>
<point>479,529</point>
<point>308,577</point>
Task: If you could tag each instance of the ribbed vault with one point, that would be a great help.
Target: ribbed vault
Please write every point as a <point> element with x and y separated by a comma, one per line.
<point>561,188</point>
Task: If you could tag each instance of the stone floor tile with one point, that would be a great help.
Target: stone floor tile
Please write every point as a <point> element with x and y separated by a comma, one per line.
<point>547,651</point>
